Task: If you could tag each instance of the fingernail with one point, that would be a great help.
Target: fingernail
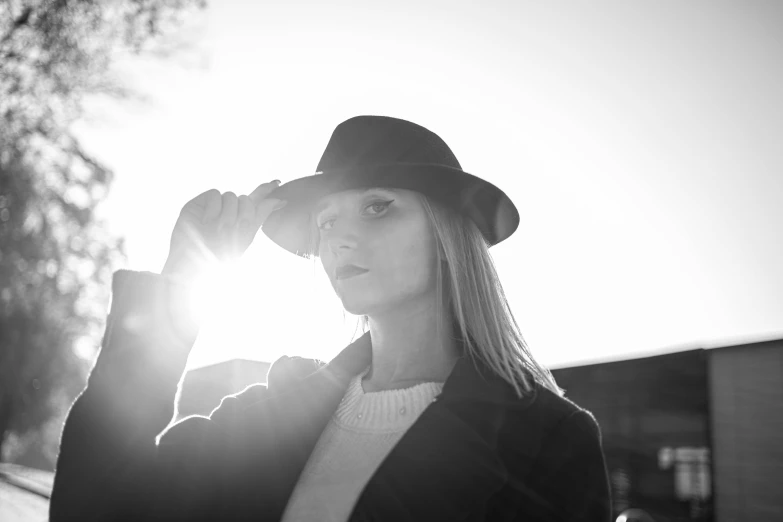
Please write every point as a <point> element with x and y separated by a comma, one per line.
<point>276,181</point>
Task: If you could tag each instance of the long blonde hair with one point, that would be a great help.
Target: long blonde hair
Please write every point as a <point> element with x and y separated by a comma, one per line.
<point>470,287</point>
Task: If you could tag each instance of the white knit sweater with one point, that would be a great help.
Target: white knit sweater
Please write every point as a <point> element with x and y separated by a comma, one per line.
<point>361,433</point>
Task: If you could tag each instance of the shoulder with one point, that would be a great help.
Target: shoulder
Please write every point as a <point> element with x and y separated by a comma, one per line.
<point>559,411</point>
<point>547,431</point>
<point>547,412</point>
<point>553,447</point>
<point>569,428</point>
<point>289,370</point>
<point>283,374</point>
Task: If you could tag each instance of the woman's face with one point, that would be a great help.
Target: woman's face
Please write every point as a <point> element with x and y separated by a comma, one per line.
<point>387,233</point>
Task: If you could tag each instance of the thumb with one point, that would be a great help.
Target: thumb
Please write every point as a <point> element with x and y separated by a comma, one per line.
<point>263,190</point>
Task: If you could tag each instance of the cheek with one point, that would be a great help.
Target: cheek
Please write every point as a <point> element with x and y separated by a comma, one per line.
<point>405,261</point>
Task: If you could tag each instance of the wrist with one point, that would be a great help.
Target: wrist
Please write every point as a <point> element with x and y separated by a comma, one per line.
<point>176,269</point>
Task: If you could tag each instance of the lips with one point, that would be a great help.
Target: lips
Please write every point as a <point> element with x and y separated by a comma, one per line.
<point>346,271</point>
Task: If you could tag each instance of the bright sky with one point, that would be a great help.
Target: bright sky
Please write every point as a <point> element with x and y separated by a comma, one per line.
<point>641,143</point>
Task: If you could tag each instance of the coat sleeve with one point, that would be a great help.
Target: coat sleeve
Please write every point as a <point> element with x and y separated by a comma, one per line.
<point>569,476</point>
<point>110,466</point>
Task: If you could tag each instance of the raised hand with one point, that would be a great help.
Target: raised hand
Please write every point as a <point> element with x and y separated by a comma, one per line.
<point>215,226</point>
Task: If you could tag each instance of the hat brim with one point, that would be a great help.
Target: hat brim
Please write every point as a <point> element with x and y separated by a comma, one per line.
<point>486,205</point>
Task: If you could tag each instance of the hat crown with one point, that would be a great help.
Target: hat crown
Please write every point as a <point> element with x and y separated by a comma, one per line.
<point>365,141</point>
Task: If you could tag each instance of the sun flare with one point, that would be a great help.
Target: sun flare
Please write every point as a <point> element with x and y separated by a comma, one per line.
<point>283,308</point>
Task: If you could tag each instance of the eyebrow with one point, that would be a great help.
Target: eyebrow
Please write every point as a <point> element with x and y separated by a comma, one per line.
<point>322,206</point>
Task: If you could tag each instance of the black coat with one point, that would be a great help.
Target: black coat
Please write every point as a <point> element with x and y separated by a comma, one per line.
<point>477,452</point>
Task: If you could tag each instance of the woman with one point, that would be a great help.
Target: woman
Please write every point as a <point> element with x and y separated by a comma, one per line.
<point>437,412</point>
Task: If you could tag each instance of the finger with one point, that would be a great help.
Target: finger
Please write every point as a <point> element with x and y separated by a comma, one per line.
<point>212,203</point>
<point>228,214</point>
<point>264,190</point>
<point>246,211</point>
<point>246,217</point>
<point>198,204</point>
<point>201,198</point>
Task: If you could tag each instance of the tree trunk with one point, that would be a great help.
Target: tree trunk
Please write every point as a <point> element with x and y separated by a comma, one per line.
<point>5,420</point>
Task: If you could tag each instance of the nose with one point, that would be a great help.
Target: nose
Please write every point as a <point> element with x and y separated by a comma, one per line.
<point>342,237</point>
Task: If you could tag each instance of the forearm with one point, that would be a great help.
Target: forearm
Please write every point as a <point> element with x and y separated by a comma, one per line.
<point>107,454</point>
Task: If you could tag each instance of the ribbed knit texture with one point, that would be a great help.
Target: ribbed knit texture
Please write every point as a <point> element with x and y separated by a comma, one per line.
<point>361,433</point>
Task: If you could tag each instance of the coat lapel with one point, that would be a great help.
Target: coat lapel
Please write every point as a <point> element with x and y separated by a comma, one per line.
<point>446,466</point>
<point>440,469</point>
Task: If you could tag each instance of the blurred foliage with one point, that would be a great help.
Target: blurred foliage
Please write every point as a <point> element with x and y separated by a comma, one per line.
<point>56,254</point>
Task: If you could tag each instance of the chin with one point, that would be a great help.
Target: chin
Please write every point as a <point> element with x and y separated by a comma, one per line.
<point>355,307</point>
<point>362,304</point>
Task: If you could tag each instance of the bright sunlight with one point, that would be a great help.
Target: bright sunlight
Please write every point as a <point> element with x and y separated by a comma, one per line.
<point>267,304</point>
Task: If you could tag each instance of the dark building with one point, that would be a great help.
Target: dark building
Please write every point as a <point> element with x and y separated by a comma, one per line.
<point>654,418</point>
<point>746,407</point>
<point>693,435</point>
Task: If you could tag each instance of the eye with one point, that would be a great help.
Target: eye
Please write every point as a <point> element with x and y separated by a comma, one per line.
<point>380,207</point>
<point>383,204</point>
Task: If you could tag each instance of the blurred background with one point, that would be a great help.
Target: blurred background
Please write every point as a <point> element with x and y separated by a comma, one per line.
<point>641,142</point>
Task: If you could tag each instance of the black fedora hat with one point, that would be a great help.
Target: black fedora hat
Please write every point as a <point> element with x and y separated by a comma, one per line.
<point>379,151</point>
